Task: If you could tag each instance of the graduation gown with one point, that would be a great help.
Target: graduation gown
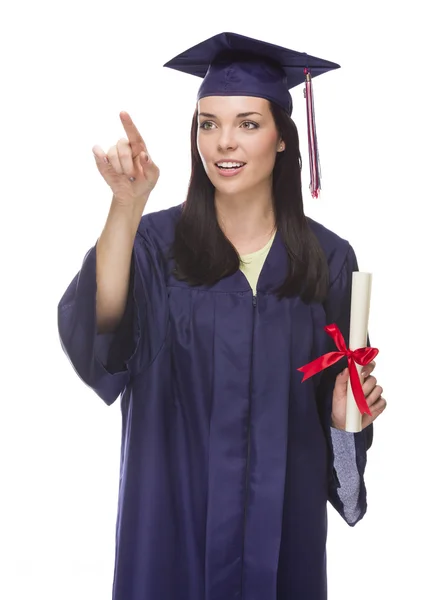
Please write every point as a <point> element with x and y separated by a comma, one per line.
<point>227,459</point>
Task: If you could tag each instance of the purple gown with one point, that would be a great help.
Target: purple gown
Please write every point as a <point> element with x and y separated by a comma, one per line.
<point>227,459</point>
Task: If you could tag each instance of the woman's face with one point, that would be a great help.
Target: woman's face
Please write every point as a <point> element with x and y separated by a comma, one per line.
<point>237,142</point>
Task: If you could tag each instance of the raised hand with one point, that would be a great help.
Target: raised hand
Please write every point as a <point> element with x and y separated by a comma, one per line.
<point>127,167</point>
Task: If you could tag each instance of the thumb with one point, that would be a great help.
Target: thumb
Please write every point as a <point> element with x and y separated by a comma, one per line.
<point>342,379</point>
<point>144,159</point>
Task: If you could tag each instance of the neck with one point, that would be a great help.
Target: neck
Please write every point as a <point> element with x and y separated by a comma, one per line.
<point>245,217</point>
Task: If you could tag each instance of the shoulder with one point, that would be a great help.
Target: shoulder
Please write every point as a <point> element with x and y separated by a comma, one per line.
<point>338,251</point>
<point>159,226</point>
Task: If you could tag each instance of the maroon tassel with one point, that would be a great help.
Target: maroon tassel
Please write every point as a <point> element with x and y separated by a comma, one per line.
<point>313,152</point>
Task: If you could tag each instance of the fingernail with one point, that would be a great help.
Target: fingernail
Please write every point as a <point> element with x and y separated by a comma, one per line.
<point>105,158</point>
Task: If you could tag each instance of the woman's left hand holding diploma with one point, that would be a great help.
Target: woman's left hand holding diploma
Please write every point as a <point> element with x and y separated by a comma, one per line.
<point>372,392</point>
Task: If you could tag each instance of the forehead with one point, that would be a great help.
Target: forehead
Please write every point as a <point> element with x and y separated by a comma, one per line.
<point>233,105</point>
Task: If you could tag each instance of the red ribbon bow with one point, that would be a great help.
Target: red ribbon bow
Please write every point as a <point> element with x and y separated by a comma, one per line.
<point>361,356</point>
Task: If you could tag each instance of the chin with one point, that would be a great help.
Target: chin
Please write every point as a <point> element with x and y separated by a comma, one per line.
<point>232,187</point>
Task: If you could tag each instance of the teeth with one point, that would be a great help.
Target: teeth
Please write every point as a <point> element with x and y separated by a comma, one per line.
<point>229,165</point>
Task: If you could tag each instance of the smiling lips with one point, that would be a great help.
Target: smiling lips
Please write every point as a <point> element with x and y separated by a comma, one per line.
<point>229,168</point>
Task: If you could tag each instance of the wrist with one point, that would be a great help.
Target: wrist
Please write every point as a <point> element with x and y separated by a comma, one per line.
<point>336,424</point>
<point>130,212</point>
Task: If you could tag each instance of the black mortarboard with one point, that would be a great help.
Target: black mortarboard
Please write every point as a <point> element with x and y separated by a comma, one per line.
<point>235,65</point>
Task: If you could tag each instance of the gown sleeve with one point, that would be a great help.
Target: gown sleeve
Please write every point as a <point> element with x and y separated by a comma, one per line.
<point>348,451</point>
<point>107,362</point>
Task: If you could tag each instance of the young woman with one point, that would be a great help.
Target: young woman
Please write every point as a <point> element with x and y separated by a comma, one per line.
<point>199,316</point>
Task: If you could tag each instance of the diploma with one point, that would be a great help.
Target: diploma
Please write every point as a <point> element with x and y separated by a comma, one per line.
<point>359,316</point>
<point>358,354</point>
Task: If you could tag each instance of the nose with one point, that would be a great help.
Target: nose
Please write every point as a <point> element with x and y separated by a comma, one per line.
<point>227,140</point>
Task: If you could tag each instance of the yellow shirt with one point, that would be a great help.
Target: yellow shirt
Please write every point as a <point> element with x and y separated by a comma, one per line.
<point>251,264</point>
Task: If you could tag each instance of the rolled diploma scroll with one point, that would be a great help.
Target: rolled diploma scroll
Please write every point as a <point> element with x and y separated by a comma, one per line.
<point>359,315</point>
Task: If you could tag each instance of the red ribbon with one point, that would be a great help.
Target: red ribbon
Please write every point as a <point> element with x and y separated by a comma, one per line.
<point>361,356</point>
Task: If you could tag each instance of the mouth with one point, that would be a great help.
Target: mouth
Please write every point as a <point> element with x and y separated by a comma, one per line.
<point>228,168</point>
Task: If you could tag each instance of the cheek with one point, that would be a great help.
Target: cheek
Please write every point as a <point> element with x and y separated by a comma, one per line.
<point>265,154</point>
<point>203,149</point>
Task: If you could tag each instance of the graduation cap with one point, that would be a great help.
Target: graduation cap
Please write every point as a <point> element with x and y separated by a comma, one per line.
<point>235,65</point>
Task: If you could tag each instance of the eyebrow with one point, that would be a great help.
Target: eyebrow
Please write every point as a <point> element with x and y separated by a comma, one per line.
<point>238,116</point>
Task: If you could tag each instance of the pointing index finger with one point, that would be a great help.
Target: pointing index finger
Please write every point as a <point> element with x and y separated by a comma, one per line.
<point>132,131</point>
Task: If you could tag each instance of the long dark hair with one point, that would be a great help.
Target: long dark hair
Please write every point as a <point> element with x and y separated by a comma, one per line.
<point>203,254</point>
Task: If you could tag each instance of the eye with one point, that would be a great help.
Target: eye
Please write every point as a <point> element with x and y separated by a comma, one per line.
<point>206,125</point>
<point>249,125</point>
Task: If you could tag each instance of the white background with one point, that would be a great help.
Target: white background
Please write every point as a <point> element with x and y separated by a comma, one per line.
<point>67,70</point>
